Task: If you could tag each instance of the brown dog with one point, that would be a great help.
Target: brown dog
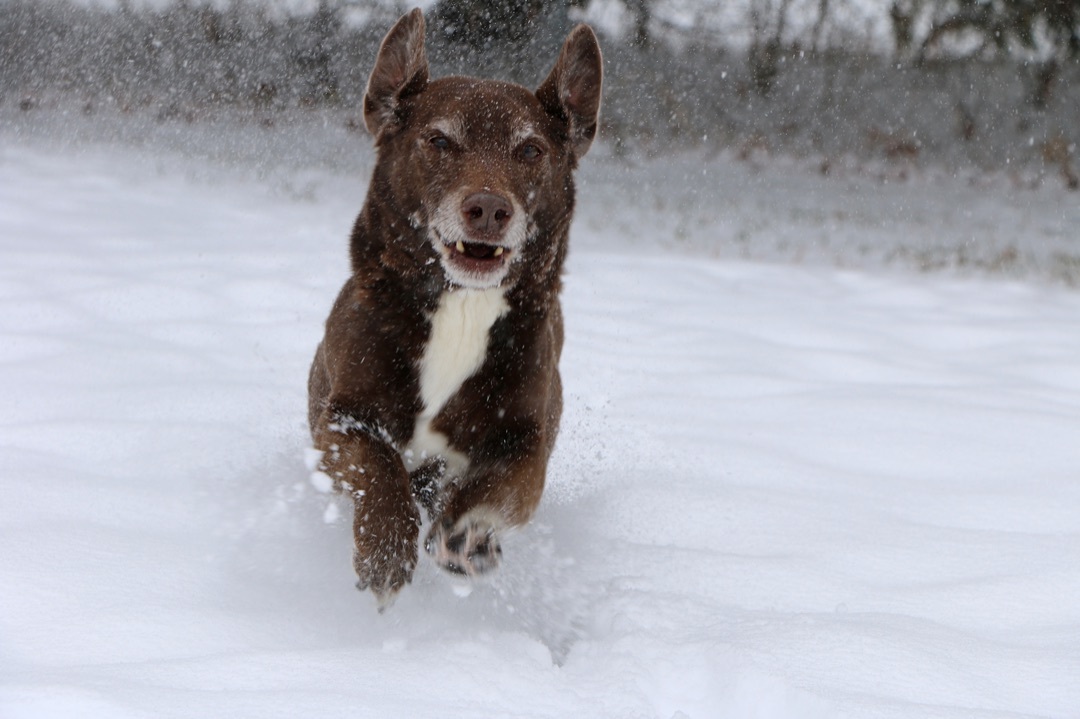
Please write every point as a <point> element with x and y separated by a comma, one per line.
<point>437,380</point>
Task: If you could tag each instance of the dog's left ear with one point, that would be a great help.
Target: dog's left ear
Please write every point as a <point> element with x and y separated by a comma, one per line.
<point>572,89</point>
<point>401,69</point>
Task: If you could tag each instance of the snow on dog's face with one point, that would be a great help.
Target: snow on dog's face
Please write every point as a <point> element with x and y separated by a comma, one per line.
<point>482,167</point>
<point>487,164</point>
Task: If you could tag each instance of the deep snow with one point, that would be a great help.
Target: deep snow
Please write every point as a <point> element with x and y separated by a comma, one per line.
<point>780,490</point>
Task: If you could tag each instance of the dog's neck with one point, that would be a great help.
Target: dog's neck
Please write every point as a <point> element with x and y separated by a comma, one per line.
<point>387,247</point>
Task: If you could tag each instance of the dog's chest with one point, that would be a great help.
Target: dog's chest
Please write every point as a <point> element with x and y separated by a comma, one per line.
<point>455,350</point>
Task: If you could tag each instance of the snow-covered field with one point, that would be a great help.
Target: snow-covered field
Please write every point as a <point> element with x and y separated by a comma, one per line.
<point>784,490</point>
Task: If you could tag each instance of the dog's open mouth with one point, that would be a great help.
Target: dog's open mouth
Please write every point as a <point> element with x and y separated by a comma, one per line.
<point>477,256</point>
<point>470,262</point>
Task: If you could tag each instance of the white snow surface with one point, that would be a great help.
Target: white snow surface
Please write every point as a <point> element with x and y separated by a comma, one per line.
<point>781,490</point>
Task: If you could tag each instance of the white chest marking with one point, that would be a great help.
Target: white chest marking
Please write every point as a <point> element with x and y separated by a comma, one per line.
<point>455,350</point>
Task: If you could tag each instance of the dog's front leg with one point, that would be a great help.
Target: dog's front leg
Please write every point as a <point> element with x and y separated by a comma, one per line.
<point>504,494</point>
<point>386,521</point>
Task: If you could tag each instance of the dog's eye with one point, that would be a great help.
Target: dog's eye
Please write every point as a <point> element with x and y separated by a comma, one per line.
<point>530,152</point>
<point>439,142</point>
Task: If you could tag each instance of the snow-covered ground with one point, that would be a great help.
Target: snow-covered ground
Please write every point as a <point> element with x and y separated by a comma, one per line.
<point>781,490</point>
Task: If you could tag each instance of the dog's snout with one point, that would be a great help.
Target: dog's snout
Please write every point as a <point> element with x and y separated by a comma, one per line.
<point>486,213</point>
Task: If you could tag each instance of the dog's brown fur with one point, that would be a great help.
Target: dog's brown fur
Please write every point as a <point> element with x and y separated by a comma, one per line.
<point>453,302</point>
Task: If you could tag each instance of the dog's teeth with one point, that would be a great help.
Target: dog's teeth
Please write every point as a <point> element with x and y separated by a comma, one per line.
<point>460,246</point>
<point>498,251</point>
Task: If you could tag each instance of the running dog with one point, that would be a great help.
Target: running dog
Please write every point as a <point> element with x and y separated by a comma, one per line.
<point>436,384</point>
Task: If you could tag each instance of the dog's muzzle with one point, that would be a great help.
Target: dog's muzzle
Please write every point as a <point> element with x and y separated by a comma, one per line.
<point>479,238</point>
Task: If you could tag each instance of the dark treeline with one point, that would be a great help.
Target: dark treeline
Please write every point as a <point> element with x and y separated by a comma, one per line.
<point>966,83</point>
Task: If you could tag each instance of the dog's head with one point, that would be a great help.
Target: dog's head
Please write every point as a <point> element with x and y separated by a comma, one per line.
<point>481,167</point>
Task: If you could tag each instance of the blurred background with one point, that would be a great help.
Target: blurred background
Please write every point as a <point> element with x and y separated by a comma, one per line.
<point>977,85</point>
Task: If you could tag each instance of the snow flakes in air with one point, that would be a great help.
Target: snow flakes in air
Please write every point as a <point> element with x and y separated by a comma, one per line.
<point>321,481</point>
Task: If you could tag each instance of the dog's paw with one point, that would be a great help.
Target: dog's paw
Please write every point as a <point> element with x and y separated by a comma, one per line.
<point>385,552</point>
<point>469,547</point>
<point>385,574</point>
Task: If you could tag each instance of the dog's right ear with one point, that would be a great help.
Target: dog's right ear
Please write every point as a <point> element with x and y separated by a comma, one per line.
<point>401,69</point>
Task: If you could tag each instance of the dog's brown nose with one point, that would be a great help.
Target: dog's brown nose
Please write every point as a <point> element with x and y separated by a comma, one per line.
<point>486,214</point>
